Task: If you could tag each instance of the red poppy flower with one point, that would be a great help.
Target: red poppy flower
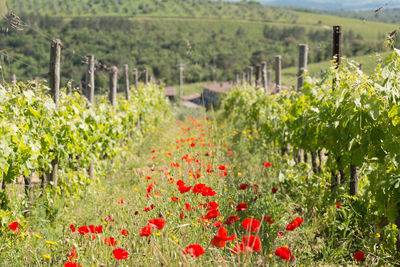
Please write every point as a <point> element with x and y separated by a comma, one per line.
<point>359,255</point>
<point>14,226</point>
<point>182,215</point>
<point>243,186</point>
<point>252,241</point>
<point>241,207</point>
<point>208,192</point>
<point>280,233</point>
<point>192,144</point>
<point>217,224</point>
<point>283,253</point>
<point>124,232</point>
<point>266,164</point>
<point>91,228</point>
<point>231,219</point>
<point>294,224</point>
<point>274,190</point>
<point>72,254</point>
<point>174,198</point>
<point>187,207</point>
<point>146,230</point>
<point>194,250</point>
<point>221,167</point>
<point>268,219</point>
<point>249,244</point>
<point>182,188</point>
<point>98,229</point>
<point>72,227</point>
<point>71,264</point>
<point>150,188</point>
<point>212,205</point>
<point>83,230</point>
<point>222,237</point>
<point>230,154</point>
<point>121,201</point>
<point>212,214</point>
<point>251,224</point>
<point>111,242</point>
<point>338,204</point>
<point>120,254</point>
<point>158,223</point>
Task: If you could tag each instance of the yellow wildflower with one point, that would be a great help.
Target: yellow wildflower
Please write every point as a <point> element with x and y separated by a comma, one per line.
<point>47,256</point>
<point>38,236</point>
<point>51,242</point>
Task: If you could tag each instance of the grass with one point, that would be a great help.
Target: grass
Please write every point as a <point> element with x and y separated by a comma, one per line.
<point>178,151</point>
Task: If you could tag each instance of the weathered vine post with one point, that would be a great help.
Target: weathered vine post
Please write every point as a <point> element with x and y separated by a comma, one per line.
<point>136,74</point>
<point>303,59</point>
<point>54,84</point>
<point>14,80</point>
<point>90,92</point>
<point>250,74</point>
<point>146,75</point>
<point>337,54</point>
<point>90,80</point>
<point>126,73</point>
<point>113,85</point>
<point>244,79</point>
<point>264,80</point>
<point>278,70</point>
<point>258,76</point>
<point>181,80</point>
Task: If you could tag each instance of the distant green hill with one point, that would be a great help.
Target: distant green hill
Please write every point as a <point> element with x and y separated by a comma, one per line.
<point>168,8</point>
<point>214,39</point>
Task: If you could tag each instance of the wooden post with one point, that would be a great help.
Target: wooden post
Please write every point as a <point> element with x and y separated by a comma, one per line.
<point>264,79</point>
<point>126,69</point>
<point>113,85</point>
<point>135,73</point>
<point>278,71</point>
<point>69,84</point>
<point>244,80</point>
<point>146,71</point>
<point>258,76</point>
<point>337,44</point>
<point>14,80</point>
<point>90,80</point>
<point>54,75</point>
<point>90,92</point>
<point>269,75</point>
<point>303,57</point>
<point>250,74</point>
<point>237,78</point>
<point>54,83</point>
<point>180,80</point>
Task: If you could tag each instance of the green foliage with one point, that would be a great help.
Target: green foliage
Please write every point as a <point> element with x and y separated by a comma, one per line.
<point>351,116</point>
<point>34,132</point>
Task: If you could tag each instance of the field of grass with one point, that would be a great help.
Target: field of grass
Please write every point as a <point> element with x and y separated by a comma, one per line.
<point>368,30</point>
